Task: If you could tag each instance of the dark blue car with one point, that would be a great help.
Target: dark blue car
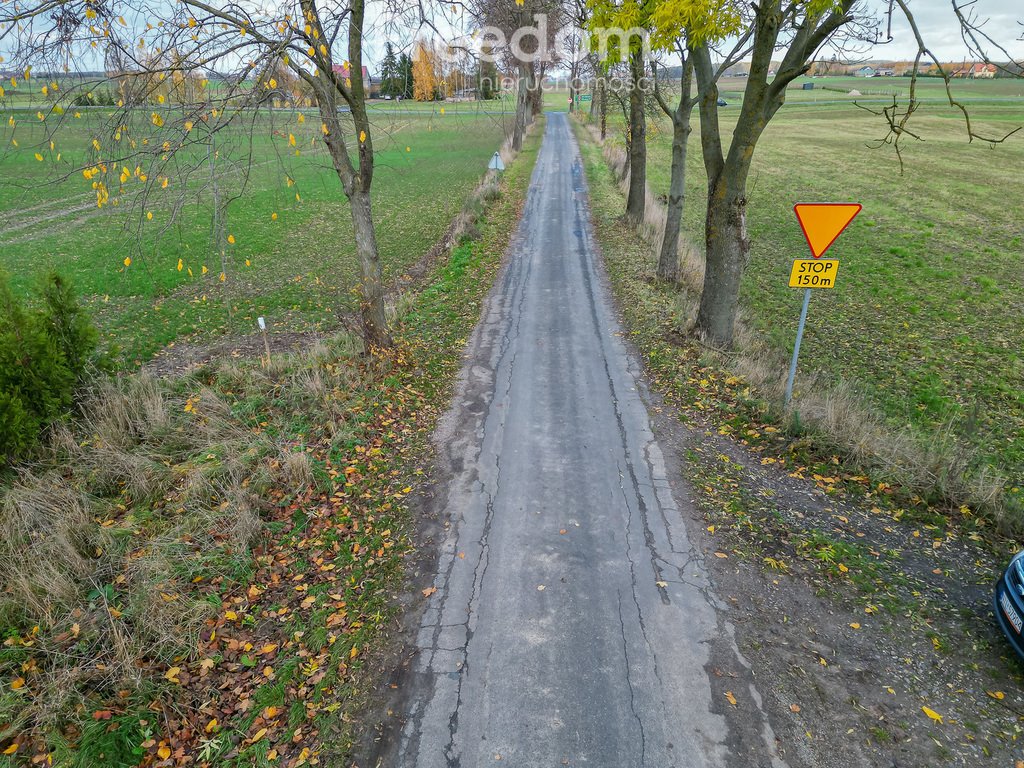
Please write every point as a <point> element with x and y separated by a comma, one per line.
<point>1009,603</point>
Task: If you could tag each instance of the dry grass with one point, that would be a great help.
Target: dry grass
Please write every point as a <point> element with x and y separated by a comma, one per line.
<point>159,483</point>
<point>835,418</point>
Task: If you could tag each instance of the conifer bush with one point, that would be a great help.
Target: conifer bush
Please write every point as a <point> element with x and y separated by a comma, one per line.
<point>45,355</point>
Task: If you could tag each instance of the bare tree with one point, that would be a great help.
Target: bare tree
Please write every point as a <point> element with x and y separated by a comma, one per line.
<point>513,19</point>
<point>144,45</point>
<point>668,256</point>
<point>799,30</point>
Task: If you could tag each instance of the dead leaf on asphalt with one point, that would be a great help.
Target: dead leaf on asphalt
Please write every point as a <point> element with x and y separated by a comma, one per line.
<point>429,591</point>
<point>731,699</point>
<point>794,708</point>
<point>932,714</point>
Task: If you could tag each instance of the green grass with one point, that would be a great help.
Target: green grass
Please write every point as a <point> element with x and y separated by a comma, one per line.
<point>290,614</point>
<point>301,265</point>
<point>924,320</point>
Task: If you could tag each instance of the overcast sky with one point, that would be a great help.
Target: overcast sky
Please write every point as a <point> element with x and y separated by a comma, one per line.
<point>938,24</point>
<point>941,32</point>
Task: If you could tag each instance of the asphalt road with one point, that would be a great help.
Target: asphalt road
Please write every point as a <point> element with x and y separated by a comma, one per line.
<point>572,624</point>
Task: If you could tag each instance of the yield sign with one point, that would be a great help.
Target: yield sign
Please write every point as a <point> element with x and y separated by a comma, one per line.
<point>822,223</point>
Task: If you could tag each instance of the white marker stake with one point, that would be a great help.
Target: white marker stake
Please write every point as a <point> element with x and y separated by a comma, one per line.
<point>263,329</point>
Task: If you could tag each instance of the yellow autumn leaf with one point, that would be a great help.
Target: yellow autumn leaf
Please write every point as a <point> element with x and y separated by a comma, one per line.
<point>291,139</point>
<point>302,118</point>
<point>17,683</point>
<point>211,726</point>
<point>997,695</point>
<point>127,261</point>
<point>172,674</point>
<point>163,751</point>
<point>149,215</point>
<point>730,698</point>
<point>181,265</point>
<point>223,277</point>
<point>231,239</point>
<point>258,735</point>
<point>11,749</point>
<point>362,137</point>
<point>273,217</point>
<point>354,652</point>
<point>932,714</point>
<point>39,157</point>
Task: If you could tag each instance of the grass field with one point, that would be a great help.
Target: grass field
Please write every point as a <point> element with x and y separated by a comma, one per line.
<point>925,321</point>
<point>296,268</point>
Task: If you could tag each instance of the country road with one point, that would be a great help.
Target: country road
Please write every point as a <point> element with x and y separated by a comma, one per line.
<point>572,622</point>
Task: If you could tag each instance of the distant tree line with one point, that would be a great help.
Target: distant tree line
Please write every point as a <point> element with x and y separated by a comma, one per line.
<point>428,76</point>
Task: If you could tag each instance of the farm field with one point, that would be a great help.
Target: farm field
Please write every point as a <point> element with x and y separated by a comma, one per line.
<point>926,317</point>
<point>292,258</point>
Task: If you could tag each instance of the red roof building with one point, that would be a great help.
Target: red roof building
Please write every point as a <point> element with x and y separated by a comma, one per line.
<point>344,71</point>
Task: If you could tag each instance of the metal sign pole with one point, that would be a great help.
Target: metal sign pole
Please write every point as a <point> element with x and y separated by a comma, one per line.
<point>796,347</point>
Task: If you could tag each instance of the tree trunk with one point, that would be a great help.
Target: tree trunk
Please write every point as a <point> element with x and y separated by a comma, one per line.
<point>522,104</point>
<point>371,289</point>
<point>728,249</point>
<point>636,197</point>
<point>668,260</point>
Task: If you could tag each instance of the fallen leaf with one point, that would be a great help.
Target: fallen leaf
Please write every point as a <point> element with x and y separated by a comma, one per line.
<point>429,591</point>
<point>721,554</point>
<point>932,714</point>
<point>661,584</point>
<point>855,625</point>
<point>998,695</point>
<point>164,751</point>
<point>258,735</point>
<point>172,674</point>
<point>540,588</point>
<point>730,698</point>
<point>794,708</point>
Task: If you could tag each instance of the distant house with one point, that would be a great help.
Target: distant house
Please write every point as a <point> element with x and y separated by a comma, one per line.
<point>885,73</point>
<point>343,71</point>
<point>978,71</point>
<point>865,72</point>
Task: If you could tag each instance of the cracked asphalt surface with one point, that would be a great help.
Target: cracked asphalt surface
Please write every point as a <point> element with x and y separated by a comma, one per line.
<point>573,622</point>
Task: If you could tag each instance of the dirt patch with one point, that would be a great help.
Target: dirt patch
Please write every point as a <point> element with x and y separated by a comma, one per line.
<point>181,357</point>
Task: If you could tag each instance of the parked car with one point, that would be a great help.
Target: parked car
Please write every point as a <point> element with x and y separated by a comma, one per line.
<point>723,103</point>
<point>1009,603</point>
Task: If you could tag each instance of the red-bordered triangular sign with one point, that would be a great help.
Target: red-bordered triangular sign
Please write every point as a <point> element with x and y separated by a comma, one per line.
<point>822,223</point>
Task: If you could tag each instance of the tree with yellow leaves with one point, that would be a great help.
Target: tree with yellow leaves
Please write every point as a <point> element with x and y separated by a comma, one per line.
<point>424,72</point>
<point>165,56</point>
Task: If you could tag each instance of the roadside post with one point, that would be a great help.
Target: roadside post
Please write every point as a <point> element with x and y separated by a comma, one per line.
<point>822,223</point>
<point>262,324</point>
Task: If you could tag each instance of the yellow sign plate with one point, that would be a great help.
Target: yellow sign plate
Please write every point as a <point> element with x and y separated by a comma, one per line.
<point>814,273</point>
